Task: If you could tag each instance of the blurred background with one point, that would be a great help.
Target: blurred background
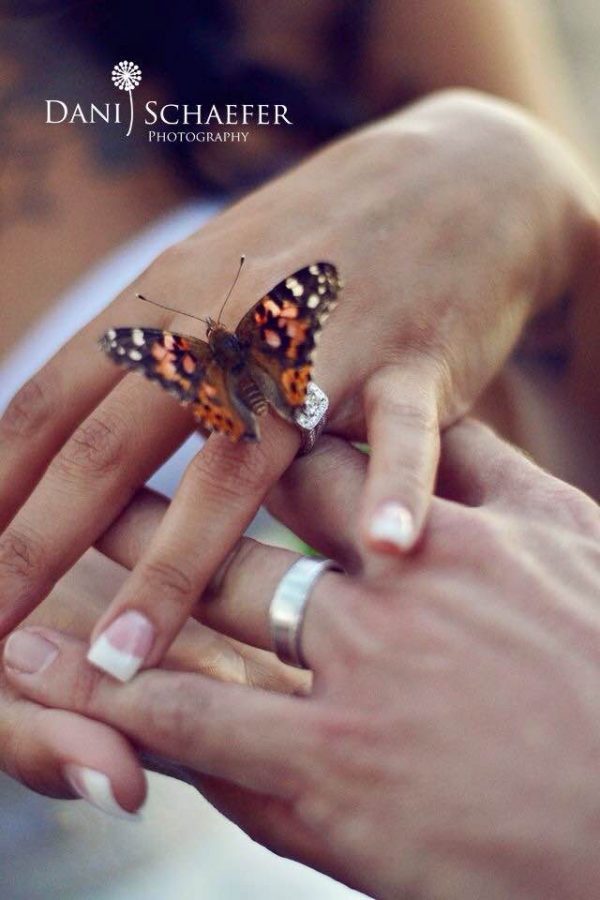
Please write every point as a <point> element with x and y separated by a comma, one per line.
<point>83,212</point>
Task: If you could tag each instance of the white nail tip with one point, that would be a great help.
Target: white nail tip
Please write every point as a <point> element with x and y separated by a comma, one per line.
<point>393,524</point>
<point>118,663</point>
<point>96,789</point>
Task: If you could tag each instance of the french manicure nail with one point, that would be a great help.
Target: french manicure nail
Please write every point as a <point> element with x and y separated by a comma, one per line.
<point>393,524</point>
<point>123,647</point>
<point>95,787</point>
<point>29,652</point>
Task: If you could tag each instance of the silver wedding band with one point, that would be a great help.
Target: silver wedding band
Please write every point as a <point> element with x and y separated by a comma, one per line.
<point>286,613</point>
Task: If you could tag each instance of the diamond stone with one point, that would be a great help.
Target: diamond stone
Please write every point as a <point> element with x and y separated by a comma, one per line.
<point>315,407</point>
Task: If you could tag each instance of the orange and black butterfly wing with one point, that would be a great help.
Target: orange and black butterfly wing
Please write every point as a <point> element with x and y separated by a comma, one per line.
<point>217,406</point>
<point>184,366</point>
<point>281,332</point>
<point>176,362</point>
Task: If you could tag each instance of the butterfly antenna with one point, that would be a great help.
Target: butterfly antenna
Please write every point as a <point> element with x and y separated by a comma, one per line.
<point>230,291</point>
<point>170,308</point>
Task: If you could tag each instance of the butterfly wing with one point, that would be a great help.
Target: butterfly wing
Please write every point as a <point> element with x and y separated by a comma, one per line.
<point>281,332</point>
<point>176,362</point>
<point>217,406</point>
<point>184,366</point>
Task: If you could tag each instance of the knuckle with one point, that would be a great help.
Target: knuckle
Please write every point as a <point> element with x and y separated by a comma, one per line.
<point>32,407</point>
<point>482,534</point>
<point>169,579</point>
<point>341,728</point>
<point>359,637</point>
<point>232,470</point>
<point>172,711</point>
<point>569,505</point>
<point>415,484</point>
<point>386,394</point>
<point>95,449</point>
<point>415,415</point>
<point>338,746</point>
<point>445,521</point>
<point>22,557</point>
<point>81,692</point>
<point>481,531</point>
<point>235,569</point>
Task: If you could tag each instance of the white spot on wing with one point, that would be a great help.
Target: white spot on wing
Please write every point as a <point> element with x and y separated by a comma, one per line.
<point>272,339</point>
<point>313,301</point>
<point>111,334</point>
<point>137,337</point>
<point>135,355</point>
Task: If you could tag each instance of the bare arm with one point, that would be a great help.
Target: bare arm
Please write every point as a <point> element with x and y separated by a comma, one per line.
<point>505,47</point>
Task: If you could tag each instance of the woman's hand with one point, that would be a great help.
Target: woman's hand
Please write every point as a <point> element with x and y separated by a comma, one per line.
<point>450,745</point>
<point>63,754</point>
<point>450,224</point>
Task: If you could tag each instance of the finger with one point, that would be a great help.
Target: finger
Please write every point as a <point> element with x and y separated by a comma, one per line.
<point>219,495</point>
<point>188,718</point>
<point>128,536</point>
<point>318,498</point>
<point>88,483</point>
<point>48,408</point>
<point>476,464</point>
<point>237,599</point>
<point>401,406</point>
<point>86,591</point>
<point>478,467</point>
<point>64,755</point>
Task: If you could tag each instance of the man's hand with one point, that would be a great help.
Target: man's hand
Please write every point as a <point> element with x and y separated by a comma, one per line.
<point>450,745</point>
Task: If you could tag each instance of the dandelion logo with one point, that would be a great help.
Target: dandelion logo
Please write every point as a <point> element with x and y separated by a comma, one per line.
<point>126,76</point>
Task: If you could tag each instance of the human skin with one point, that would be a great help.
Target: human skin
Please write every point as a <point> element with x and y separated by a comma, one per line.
<point>449,746</point>
<point>408,210</point>
<point>70,195</point>
<point>38,745</point>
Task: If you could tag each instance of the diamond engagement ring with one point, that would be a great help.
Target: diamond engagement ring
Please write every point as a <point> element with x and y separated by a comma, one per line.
<point>312,417</point>
<point>286,612</point>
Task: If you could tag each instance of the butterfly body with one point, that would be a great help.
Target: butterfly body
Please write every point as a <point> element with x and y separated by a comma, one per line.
<point>231,378</point>
<point>226,347</point>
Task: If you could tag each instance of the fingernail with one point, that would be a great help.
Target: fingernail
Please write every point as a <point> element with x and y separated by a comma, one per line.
<point>29,652</point>
<point>392,524</point>
<point>123,647</point>
<point>95,787</point>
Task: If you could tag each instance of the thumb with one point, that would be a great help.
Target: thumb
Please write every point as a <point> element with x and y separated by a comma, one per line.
<point>62,754</point>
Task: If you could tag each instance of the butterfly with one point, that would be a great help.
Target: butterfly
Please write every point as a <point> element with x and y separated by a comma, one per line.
<point>231,378</point>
